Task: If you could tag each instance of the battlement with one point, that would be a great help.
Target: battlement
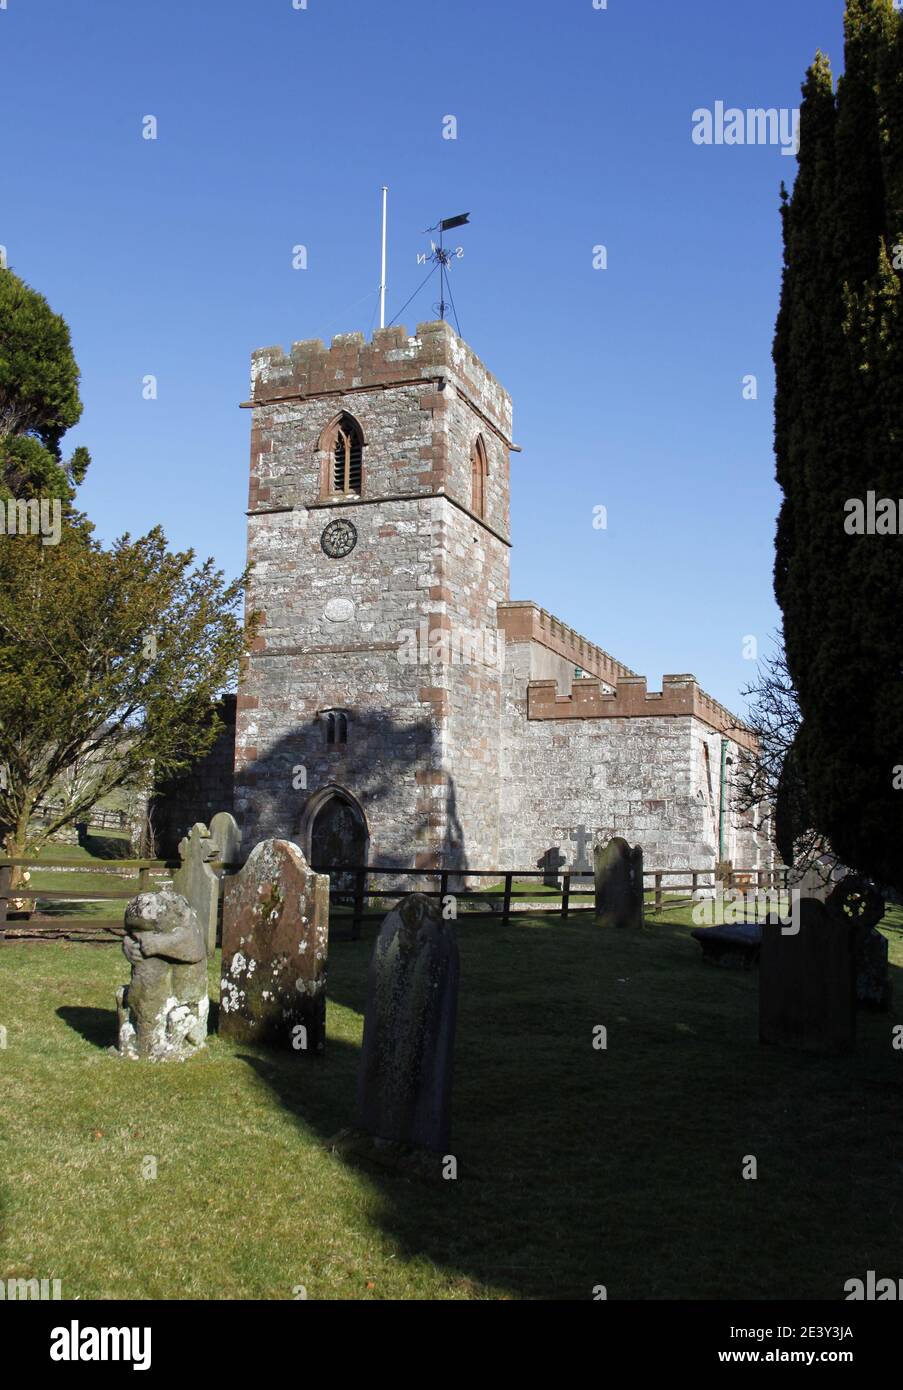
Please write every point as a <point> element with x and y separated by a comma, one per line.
<point>391,358</point>
<point>525,621</point>
<point>679,696</point>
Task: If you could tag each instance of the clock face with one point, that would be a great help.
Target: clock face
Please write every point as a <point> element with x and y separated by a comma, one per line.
<point>339,538</point>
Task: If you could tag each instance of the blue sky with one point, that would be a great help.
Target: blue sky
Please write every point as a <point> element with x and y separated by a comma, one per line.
<point>277,126</point>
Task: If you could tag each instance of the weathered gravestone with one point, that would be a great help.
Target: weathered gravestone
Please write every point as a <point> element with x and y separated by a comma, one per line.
<point>226,835</point>
<point>405,1076</point>
<point>619,884</point>
<point>197,882</point>
<point>275,933</point>
<point>807,977</point>
<point>163,1009</point>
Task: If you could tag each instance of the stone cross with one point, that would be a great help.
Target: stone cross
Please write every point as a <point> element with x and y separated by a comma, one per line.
<point>197,882</point>
<point>162,1011</point>
<point>275,933</point>
<point>582,837</point>
<point>405,1076</point>
<point>619,884</point>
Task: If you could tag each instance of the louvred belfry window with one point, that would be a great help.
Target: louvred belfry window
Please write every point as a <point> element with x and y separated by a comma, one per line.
<point>347,457</point>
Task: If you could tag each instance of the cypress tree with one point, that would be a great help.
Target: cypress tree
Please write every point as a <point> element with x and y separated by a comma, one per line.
<point>838,356</point>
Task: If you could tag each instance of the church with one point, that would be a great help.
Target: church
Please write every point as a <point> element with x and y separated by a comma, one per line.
<point>398,707</point>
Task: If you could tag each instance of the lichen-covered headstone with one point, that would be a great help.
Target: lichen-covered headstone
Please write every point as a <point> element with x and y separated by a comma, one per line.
<point>405,1076</point>
<point>275,933</point>
<point>163,1009</point>
<point>619,884</point>
<point>197,882</point>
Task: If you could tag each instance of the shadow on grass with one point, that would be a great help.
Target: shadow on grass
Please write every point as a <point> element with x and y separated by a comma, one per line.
<point>96,1026</point>
<point>624,1167</point>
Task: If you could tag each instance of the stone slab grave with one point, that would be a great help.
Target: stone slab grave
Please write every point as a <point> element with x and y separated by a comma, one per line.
<point>619,884</point>
<point>807,978</point>
<point>162,1011</point>
<point>734,944</point>
<point>405,1074</point>
<point>275,934</point>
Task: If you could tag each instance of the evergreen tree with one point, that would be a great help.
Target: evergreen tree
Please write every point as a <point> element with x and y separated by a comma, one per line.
<point>838,355</point>
<point>39,398</point>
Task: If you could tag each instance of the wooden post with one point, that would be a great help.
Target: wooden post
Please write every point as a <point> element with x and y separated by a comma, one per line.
<point>565,893</point>
<point>443,890</point>
<point>360,879</point>
<point>506,909</point>
<point>5,876</point>
<point>659,897</point>
<point>695,881</point>
<point>144,880</point>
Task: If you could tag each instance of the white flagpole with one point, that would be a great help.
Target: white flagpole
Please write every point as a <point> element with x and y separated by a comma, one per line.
<point>382,282</point>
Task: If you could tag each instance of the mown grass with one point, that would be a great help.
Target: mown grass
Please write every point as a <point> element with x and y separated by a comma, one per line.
<point>577,1167</point>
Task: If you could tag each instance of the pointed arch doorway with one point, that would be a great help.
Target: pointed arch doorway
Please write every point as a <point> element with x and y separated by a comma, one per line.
<point>335,836</point>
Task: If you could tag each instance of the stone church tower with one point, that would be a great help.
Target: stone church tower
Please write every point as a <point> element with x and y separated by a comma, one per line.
<point>378,536</point>
<point>398,708</point>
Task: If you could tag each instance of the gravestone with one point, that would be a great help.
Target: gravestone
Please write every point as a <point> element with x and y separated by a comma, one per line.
<point>733,945</point>
<point>162,1011</point>
<point>197,882</point>
<point>807,978</point>
<point>619,884</point>
<point>405,1075</point>
<point>551,861</point>
<point>275,932</point>
<point>226,835</point>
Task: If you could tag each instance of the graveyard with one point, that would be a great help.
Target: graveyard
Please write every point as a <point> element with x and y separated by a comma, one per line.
<point>576,1166</point>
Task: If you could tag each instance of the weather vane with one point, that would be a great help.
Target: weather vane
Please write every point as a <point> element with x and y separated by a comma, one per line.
<point>442,256</point>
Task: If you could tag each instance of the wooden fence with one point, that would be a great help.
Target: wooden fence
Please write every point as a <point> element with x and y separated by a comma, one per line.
<point>141,873</point>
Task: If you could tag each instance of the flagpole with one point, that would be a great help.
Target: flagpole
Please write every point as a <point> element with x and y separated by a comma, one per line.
<point>382,282</point>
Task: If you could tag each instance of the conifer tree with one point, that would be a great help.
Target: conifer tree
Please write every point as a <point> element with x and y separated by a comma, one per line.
<point>838,356</point>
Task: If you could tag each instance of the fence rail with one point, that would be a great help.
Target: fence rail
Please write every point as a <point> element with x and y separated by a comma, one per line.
<point>142,872</point>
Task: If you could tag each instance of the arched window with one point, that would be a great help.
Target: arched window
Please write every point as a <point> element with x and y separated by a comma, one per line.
<point>336,727</point>
<point>347,457</point>
<point>479,472</point>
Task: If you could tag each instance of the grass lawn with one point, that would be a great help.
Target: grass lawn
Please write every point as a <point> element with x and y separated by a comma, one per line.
<point>577,1167</point>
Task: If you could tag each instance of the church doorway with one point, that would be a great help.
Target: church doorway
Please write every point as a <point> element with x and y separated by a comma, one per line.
<point>336,838</point>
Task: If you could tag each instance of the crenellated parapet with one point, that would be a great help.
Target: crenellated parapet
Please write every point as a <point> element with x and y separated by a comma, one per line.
<point>391,358</point>
<point>527,622</point>
<point>680,696</point>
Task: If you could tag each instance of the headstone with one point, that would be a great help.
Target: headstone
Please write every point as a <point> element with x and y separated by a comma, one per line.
<point>551,862</point>
<point>405,1076</point>
<point>197,882</point>
<point>163,1009</point>
<point>807,977</point>
<point>864,907</point>
<point>226,835</point>
<point>619,884</point>
<point>275,932</point>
